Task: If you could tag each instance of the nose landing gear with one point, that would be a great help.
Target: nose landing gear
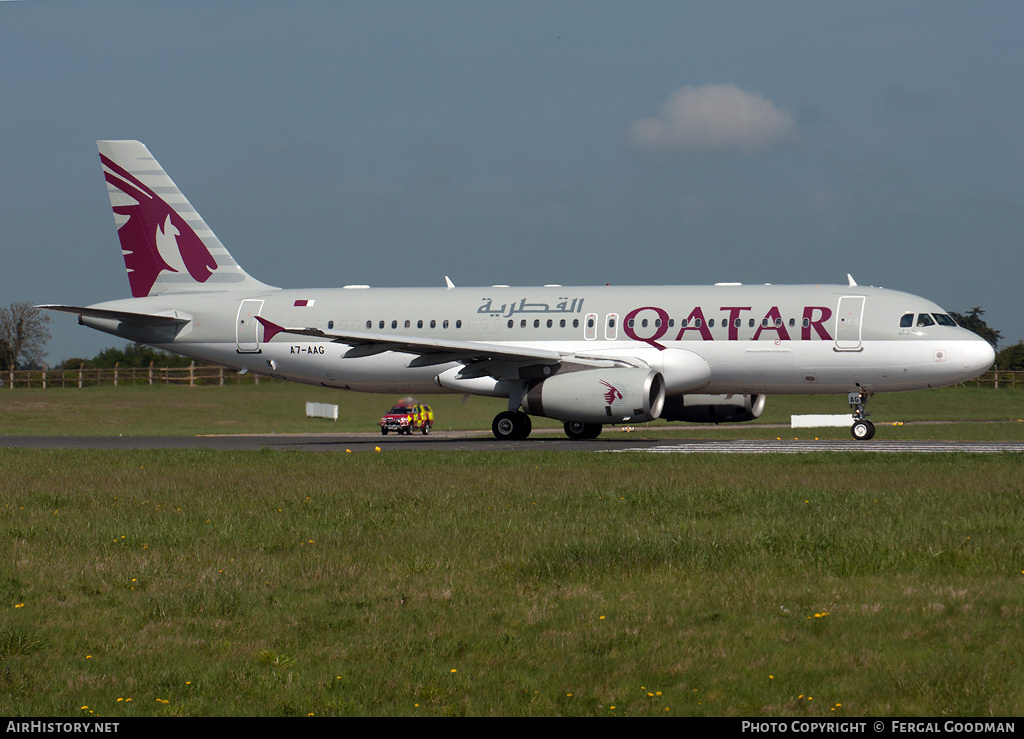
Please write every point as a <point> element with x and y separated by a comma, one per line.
<point>862,428</point>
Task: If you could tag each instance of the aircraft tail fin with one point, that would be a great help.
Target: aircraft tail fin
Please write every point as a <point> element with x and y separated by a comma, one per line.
<point>167,246</point>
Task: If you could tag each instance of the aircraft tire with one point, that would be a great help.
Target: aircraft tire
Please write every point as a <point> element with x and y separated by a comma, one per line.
<point>509,426</point>
<point>579,431</point>
<point>504,426</point>
<point>523,426</point>
<point>862,430</point>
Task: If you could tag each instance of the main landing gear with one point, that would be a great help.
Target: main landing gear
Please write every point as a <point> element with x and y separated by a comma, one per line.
<point>580,430</point>
<point>511,426</point>
<point>862,428</point>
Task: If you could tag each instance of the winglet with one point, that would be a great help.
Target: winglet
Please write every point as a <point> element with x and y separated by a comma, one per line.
<point>448,282</point>
<point>270,329</point>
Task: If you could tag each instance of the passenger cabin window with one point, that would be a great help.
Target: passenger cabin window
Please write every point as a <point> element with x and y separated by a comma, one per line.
<point>925,320</point>
<point>330,324</point>
<point>610,331</point>
<point>590,332</point>
<point>907,320</point>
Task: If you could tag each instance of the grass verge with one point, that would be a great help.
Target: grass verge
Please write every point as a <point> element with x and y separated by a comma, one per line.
<point>205,583</point>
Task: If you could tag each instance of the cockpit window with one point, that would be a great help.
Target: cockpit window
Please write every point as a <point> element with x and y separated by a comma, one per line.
<point>925,320</point>
<point>907,320</point>
<point>943,319</point>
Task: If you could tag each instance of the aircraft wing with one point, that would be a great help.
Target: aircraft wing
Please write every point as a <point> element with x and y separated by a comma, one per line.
<point>430,350</point>
<point>480,358</point>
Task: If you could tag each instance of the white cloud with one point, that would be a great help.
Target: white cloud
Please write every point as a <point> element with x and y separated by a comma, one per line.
<point>713,118</point>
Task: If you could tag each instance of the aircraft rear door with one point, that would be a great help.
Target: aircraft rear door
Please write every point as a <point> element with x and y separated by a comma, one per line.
<point>849,320</point>
<point>247,327</point>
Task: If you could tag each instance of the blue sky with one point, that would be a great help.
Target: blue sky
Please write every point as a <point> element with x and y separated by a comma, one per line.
<point>392,143</point>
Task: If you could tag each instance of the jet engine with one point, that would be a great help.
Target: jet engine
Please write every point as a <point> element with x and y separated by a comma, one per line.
<point>713,408</point>
<point>598,396</point>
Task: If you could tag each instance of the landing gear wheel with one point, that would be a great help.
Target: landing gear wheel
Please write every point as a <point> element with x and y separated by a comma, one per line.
<point>578,430</point>
<point>509,426</point>
<point>524,425</point>
<point>862,430</point>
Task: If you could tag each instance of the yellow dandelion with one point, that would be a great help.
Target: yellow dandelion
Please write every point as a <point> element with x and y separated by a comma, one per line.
<point>19,605</point>
<point>454,671</point>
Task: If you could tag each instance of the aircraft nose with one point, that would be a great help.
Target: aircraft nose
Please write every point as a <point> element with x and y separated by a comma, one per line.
<point>978,356</point>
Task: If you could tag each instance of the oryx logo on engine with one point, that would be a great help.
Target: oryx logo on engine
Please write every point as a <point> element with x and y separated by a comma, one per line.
<point>612,395</point>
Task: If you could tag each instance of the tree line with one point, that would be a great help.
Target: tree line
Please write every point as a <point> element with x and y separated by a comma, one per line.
<point>24,331</point>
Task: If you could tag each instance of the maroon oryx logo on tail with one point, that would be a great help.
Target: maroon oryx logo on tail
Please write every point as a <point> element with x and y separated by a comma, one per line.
<point>612,395</point>
<point>153,224</point>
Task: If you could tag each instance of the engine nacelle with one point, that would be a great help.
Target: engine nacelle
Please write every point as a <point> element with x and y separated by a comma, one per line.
<point>598,396</point>
<point>713,408</point>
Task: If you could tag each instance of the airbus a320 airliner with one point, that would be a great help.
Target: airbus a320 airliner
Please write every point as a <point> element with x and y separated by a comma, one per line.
<point>586,356</point>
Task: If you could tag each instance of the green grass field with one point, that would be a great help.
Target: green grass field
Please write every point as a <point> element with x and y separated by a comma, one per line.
<point>199,583</point>
<point>461,583</point>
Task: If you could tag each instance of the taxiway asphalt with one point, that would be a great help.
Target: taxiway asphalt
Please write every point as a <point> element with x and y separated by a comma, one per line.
<point>484,442</point>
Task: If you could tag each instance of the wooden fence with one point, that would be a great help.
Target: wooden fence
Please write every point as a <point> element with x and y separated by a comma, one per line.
<point>996,379</point>
<point>203,374</point>
<point>212,374</point>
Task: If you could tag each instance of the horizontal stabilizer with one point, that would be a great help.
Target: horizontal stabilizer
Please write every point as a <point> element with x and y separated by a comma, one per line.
<point>169,318</point>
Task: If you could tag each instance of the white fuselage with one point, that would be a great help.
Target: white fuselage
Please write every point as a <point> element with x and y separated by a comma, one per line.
<point>756,339</point>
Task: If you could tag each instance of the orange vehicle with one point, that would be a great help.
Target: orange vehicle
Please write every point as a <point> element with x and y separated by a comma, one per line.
<point>407,417</point>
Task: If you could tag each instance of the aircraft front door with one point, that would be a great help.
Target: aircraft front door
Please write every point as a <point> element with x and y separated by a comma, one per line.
<point>849,321</point>
<point>247,327</point>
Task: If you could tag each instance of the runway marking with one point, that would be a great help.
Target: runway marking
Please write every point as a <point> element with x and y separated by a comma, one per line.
<point>751,446</point>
